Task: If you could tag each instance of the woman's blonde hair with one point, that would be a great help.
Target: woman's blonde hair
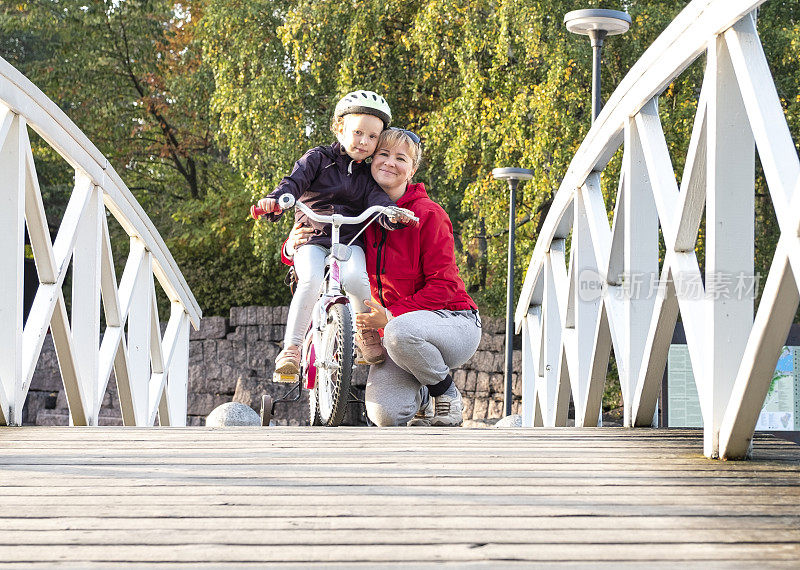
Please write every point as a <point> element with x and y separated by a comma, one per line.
<point>393,137</point>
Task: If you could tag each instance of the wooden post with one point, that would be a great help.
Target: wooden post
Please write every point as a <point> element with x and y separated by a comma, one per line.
<point>531,340</point>
<point>139,338</point>
<point>729,238</point>
<point>640,269</point>
<point>12,236</point>
<point>86,300</point>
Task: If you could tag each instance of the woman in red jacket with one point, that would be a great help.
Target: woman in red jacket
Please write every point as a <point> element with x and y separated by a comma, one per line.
<point>431,325</point>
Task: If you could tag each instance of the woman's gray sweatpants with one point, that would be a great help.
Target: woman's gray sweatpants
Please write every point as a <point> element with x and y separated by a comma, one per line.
<point>422,348</point>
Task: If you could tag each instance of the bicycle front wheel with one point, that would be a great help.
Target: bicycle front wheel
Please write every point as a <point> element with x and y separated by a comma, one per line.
<point>313,407</point>
<point>336,369</point>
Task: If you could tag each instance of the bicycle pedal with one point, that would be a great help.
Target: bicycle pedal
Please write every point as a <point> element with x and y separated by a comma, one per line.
<point>285,378</point>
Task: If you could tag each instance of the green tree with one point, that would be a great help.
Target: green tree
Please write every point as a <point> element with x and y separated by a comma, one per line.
<point>486,83</point>
<point>131,76</point>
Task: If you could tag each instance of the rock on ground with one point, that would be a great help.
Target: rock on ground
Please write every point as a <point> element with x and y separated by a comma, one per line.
<point>233,414</point>
<point>512,421</point>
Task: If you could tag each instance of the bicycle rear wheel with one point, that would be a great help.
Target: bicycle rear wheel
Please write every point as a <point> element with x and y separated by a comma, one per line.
<point>336,370</point>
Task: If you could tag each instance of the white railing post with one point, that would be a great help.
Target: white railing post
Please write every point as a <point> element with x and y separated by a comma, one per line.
<point>531,333</point>
<point>552,364</point>
<point>86,298</point>
<point>729,237</point>
<point>12,208</point>
<point>139,337</point>
<point>178,379</point>
<point>640,271</point>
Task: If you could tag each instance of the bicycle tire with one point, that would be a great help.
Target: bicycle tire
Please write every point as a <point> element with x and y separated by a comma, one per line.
<point>314,418</point>
<point>333,379</point>
<point>309,353</point>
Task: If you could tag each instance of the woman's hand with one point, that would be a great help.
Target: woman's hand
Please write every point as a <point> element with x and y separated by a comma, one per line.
<point>402,216</point>
<point>299,235</point>
<point>376,319</point>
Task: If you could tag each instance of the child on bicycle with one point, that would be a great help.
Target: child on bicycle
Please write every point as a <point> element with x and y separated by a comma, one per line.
<point>334,179</point>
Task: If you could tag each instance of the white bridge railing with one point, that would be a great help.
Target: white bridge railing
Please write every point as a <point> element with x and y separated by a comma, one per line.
<point>612,291</point>
<point>151,371</point>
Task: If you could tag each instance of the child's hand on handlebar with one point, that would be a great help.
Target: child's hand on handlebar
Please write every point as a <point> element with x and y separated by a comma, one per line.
<point>269,205</point>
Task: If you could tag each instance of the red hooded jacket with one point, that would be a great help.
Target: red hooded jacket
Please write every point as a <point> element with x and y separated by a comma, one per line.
<point>414,268</point>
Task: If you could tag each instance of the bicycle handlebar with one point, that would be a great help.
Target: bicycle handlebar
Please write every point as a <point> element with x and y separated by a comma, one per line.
<point>286,201</point>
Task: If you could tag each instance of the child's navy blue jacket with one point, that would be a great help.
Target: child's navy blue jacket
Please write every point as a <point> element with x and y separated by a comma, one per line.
<point>328,181</point>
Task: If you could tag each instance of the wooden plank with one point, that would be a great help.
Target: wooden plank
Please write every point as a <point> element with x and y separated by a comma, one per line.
<point>454,552</point>
<point>425,506</point>
<point>388,535</point>
<point>387,491</point>
<point>466,521</point>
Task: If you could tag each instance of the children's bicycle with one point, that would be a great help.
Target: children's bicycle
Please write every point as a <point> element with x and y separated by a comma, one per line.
<point>328,351</point>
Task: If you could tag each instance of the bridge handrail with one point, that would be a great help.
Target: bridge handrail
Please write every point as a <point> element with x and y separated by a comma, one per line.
<point>573,310</point>
<point>681,43</point>
<point>21,96</point>
<point>151,369</point>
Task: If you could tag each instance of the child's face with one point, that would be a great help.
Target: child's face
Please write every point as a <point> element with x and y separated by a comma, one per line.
<point>359,134</point>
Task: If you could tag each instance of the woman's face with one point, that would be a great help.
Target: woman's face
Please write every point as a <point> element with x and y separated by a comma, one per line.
<point>393,168</point>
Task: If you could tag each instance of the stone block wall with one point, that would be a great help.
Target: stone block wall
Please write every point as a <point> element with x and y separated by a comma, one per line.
<point>231,359</point>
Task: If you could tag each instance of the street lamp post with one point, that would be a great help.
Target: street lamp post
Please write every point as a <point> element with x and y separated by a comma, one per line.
<point>597,24</point>
<point>513,176</point>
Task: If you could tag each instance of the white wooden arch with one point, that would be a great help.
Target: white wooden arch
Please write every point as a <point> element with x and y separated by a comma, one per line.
<point>611,291</point>
<point>151,371</point>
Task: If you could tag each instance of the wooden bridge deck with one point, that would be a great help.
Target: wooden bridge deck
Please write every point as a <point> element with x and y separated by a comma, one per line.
<point>382,497</point>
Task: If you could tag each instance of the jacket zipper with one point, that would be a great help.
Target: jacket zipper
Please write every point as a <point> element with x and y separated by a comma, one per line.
<point>378,266</point>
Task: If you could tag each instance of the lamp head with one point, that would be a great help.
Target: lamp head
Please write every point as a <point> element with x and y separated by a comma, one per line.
<point>512,174</point>
<point>587,22</point>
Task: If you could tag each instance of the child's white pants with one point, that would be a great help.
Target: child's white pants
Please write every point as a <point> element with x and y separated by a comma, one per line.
<point>309,266</point>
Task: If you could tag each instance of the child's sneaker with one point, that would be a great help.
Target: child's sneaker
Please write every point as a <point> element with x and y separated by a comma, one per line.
<point>426,410</point>
<point>288,361</point>
<point>449,408</point>
<point>369,344</point>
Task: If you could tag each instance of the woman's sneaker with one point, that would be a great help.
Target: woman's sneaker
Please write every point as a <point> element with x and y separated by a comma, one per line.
<point>288,361</point>
<point>449,408</point>
<point>426,411</point>
<point>370,347</point>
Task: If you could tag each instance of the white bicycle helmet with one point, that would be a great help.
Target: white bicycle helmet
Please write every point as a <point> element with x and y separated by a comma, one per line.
<point>366,102</point>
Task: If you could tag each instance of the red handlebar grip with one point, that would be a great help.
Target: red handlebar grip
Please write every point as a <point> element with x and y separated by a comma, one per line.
<point>257,212</point>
